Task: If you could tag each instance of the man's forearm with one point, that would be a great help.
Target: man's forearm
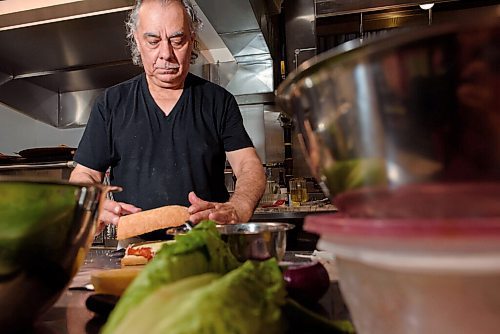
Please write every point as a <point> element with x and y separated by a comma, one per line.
<point>84,175</point>
<point>250,186</point>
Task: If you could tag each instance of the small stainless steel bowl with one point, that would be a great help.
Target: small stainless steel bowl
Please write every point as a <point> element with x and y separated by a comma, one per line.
<point>256,241</point>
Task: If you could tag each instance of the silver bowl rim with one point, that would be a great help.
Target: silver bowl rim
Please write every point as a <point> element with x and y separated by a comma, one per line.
<point>259,227</point>
<point>357,49</point>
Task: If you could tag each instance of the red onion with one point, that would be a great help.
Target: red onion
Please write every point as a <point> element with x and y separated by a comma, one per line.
<point>306,282</point>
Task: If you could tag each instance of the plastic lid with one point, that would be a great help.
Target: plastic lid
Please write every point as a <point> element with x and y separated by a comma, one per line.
<point>338,225</point>
<point>425,201</point>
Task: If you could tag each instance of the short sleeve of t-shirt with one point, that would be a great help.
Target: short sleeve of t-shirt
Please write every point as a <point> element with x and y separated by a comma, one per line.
<point>94,151</point>
<point>234,135</point>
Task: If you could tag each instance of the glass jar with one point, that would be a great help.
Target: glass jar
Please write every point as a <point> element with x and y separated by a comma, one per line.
<point>298,191</point>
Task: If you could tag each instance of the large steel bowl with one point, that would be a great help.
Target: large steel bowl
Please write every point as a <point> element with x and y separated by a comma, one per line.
<point>415,108</point>
<point>256,241</point>
<point>46,229</point>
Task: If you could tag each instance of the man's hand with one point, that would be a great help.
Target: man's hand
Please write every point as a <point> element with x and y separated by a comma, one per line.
<point>222,213</point>
<point>112,211</point>
<point>249,188</point>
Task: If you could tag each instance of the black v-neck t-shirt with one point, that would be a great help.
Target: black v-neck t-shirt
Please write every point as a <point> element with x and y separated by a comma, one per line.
<point>159,159</point>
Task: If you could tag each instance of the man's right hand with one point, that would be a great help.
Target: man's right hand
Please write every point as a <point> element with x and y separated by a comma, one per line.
<point>112,211</point>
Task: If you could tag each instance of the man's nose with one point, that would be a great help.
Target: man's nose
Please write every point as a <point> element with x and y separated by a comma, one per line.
<point>166,51</point>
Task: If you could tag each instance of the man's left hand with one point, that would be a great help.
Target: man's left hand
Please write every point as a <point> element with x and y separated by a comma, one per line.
<point>222,213</point>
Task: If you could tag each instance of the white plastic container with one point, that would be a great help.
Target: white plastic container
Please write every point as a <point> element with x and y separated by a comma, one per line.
<point>416,275</point>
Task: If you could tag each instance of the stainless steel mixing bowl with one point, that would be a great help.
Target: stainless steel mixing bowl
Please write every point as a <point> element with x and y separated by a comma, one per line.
<point>415,107</point>
<point>256,241</point>
<point>46,229</point>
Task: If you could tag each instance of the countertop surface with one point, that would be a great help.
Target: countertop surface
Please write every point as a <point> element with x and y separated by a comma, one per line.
<point>302,210</point>
<point>70,315</point>
<point>290,214</point>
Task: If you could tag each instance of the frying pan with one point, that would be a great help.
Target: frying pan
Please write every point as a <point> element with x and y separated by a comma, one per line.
<point>10,159</point>
<point>58,153</point>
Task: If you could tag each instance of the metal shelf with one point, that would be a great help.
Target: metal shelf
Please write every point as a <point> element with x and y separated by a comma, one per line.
<point>40,165</point>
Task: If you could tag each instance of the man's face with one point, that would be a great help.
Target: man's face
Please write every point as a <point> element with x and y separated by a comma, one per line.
<point>165,42</point>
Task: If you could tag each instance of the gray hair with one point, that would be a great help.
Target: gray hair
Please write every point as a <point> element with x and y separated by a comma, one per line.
<point>132,20</point>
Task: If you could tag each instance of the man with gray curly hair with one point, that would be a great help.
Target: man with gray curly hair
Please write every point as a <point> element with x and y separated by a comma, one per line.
<point>195,25</point>
<point>166,133</point>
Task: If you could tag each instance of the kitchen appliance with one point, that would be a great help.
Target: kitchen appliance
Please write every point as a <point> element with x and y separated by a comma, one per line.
<point>402,133</point>
<point>46,230</point>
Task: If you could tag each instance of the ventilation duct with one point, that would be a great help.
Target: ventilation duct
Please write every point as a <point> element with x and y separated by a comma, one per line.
<point>236,22</point>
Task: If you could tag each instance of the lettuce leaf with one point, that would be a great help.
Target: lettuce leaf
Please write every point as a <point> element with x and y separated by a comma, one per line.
<point>246,300</point>
<point>197,252</point>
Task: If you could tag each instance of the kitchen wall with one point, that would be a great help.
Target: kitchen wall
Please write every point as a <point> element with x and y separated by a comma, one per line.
<point>18,132</point>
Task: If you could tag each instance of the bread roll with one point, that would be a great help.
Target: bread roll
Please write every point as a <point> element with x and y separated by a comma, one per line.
<point>133,261</point>
<point>151,220</point>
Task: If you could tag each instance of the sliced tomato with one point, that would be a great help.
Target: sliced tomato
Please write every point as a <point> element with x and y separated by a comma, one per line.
<point>142,251</point>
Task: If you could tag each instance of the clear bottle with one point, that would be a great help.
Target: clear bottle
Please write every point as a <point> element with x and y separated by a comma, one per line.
<point>283,187</point>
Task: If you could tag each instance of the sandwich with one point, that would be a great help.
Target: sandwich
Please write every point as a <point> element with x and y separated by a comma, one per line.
<point>141,253</point>
<point>135,224</point>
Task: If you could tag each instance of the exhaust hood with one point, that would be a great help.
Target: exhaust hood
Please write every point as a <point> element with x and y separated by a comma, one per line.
<point>238,23</point>
<point>55,59</point>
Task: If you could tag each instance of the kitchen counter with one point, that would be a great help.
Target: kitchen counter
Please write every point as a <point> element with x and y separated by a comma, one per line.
<point>291,212</point>
<point>69,314</point>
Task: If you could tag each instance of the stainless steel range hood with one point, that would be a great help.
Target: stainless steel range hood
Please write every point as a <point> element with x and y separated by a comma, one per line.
<point>55,60</point>
<point>239,24</point>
